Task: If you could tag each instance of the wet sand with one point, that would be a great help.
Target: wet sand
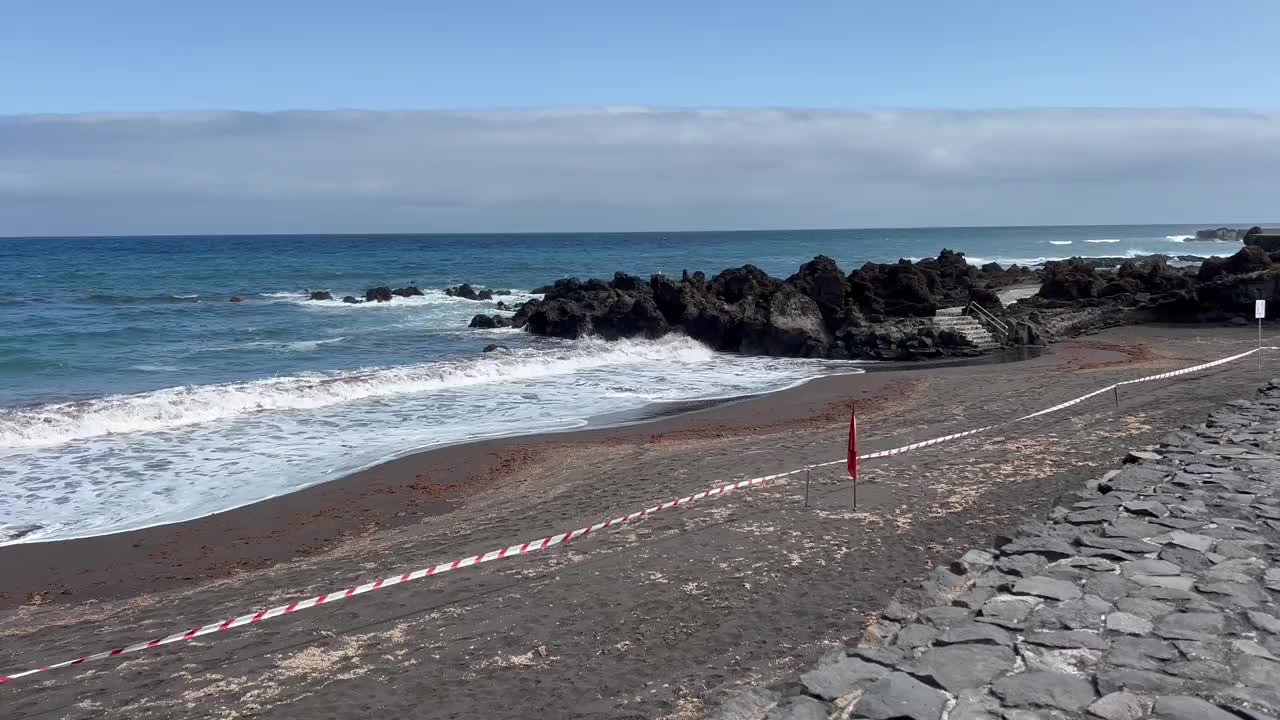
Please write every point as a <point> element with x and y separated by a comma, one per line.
<point>654,618</point>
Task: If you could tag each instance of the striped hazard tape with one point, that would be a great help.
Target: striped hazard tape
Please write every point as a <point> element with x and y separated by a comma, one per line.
<point>525,548</point>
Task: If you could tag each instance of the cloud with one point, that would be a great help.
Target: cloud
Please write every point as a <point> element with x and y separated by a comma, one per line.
<point>630,169</point>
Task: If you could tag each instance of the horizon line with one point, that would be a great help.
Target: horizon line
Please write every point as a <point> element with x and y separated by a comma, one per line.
<point>473,233</point>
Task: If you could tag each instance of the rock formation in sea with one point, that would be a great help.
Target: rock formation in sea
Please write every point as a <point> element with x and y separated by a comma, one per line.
<point>1077,296</point>
<point>878,311</point>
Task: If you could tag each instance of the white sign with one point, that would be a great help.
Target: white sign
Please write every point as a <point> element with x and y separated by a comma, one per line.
<point>1259,309</point>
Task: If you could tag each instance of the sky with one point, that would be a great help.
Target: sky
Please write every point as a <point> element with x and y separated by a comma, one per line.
<point>134,117</point>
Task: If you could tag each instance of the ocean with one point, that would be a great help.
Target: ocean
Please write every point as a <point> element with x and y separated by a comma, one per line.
<point>132,393</point>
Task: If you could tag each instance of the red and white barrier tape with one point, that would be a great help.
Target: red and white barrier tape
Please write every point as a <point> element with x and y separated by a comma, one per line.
<point>553,540</point>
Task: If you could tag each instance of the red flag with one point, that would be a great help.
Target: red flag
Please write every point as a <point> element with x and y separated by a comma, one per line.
<point>853,442</point>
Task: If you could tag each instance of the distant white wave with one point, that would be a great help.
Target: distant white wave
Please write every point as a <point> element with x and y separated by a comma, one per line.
<point>55,424</point>
<point>155,368</point>
<point>1059,242</point>
<point>294,346</point>
<point>1179,238</point>
<point>1104,240</point>
<point>1007,261</point>
<point>429,297</point>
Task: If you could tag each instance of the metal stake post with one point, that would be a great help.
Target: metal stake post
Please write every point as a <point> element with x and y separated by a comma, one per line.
<point>807,471</point>
<point>1116,391</point>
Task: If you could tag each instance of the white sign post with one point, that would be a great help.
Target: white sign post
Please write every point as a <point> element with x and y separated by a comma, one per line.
<point>1259,312</point>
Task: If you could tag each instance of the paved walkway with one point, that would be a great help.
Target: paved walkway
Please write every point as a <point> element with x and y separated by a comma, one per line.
<point>1155,595</point>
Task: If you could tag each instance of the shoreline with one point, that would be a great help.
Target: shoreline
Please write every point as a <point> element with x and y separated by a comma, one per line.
<point>388,494</point>
<point>653,412</point>
<point>435,482</point>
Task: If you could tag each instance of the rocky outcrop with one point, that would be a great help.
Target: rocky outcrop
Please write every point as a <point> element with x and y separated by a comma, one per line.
<point>1268,240</point>
<point>467,292</point>
<point>351,300</point>
<point>1070,280</point>
<point>572,309</point>
<point>1152,593</point>
<point>409,291</point>
<point>1218,234</point>
<point>817,312</point>
<point>378,294</point>
<point>490,321</point>
<point>320,295</point>
<point>496,348</point>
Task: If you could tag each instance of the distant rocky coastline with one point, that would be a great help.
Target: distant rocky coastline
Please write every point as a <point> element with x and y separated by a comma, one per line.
<point>887,311</point>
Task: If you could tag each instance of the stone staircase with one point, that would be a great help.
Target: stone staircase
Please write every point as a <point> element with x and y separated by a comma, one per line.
<point>953,319</point>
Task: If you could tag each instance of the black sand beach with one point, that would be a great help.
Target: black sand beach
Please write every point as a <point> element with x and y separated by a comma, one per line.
<point>655,618</point>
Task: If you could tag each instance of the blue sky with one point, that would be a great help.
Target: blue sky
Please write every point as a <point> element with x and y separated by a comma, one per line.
<point>131,55</point>
<point>130,117</point>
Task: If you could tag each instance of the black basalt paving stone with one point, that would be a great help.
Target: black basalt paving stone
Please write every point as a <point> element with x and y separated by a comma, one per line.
<point>1144,607</point>
<point>1022,565</point>
<point>1188,707</point>
<point>1129,545</point>
<point>1110,587</point>
<point>1066,639</point>
<point>1203,670</point>
<point>837,675</point>
<point>1189,560</point>
<point>1053,548</point>
<point>1047,587</point>
<point>974,632</point>
<point>1045,689</point>
<point>1090,517</point>
<point>958,667</point>
<point>1141,653</point>
<point>1207,650</point>
<point>1130,528</point>
<point>944,616</point>
<point>1190,626</point>
<point>1138,681</point>
<point>898,695</point>
<point>1257,672</point>
<point>1112,555</point>
<point>916,635</point>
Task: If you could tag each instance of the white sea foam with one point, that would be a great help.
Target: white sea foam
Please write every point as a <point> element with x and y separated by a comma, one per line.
<point>119,463</point>
<point>1104,240</point>
<point>1179,238</point>
<point>294,346</point>
<point>155,368</point>
<point>1059,242</point>
<point>176,407</point>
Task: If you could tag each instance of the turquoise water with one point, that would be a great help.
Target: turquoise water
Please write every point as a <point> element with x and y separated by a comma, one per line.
<point>133,393</point>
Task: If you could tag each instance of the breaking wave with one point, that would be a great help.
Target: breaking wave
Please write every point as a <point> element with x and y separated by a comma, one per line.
<point>169,408</point>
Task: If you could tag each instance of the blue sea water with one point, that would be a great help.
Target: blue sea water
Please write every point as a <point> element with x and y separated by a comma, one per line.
<point>133,393</point>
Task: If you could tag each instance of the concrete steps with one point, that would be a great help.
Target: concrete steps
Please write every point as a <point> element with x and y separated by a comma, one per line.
<point>952,319</point>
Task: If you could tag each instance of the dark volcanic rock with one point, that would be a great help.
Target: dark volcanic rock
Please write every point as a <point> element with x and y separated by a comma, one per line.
<point>1070,280</point>
<point>489,321</point>
<point>378,294</point>
<point>320,295</point>
<point>409,291</point>
<point>876,311</point>
<point>464,291</point>
<point>494,347</point>
<point>351,300</point>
